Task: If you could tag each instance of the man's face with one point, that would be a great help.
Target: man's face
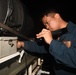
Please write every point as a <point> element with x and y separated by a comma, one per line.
<point>51,23</point>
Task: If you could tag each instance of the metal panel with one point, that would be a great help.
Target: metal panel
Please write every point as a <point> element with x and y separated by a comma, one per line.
<point>7,46</point>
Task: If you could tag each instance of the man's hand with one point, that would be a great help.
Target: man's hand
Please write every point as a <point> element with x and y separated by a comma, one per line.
<point>20,44</point>
<point>46,34</point>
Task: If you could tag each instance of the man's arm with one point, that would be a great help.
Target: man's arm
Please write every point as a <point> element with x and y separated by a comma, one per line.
<point>63,54</point>
<point>32,46</point>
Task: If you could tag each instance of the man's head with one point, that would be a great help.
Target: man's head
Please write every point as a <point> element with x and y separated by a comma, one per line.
<point>52,20</point>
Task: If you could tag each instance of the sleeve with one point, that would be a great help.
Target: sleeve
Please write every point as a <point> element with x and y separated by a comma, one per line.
<point>34,47</point>
<point>63,54</point>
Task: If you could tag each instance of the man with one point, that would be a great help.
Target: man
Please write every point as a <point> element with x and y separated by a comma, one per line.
<point>63,49</point>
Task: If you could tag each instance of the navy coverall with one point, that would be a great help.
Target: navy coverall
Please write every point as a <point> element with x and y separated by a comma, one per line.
<point>65,56</point>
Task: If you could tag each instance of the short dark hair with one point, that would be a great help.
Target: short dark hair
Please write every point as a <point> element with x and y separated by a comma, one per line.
<point>46,12</point>
<point>50,10</point>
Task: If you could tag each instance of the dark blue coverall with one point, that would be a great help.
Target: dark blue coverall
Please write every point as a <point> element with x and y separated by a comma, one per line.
<point>64,54</point>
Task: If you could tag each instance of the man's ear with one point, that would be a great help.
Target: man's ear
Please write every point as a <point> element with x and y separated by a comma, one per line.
<point>57,15</point>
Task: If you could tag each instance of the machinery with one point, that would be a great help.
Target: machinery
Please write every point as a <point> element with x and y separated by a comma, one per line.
<point>15,24</point>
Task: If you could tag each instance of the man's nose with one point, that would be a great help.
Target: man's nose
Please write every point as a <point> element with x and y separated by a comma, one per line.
<point>47,27</point>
